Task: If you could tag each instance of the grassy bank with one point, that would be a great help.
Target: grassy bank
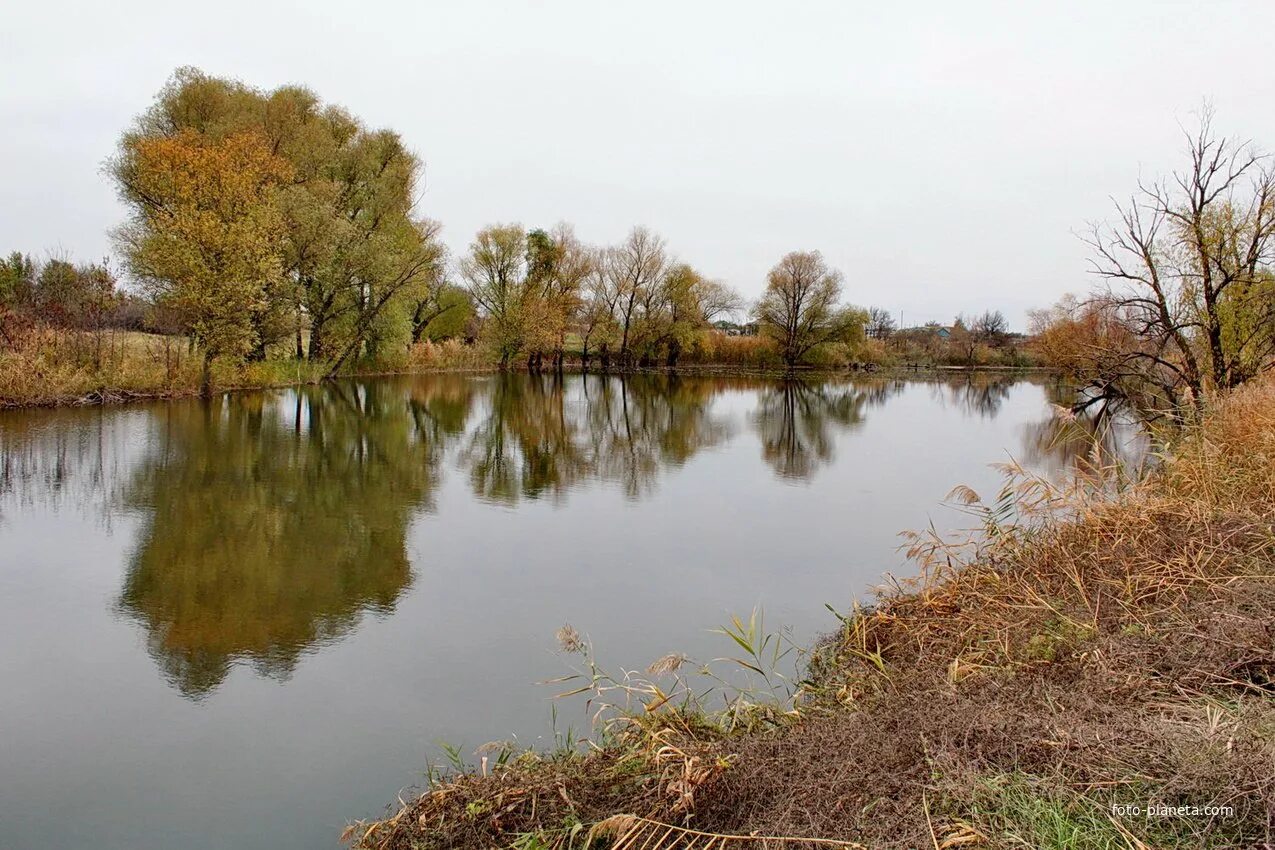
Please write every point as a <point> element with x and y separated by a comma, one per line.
<point>1041,679</point>
<point>66,367</point>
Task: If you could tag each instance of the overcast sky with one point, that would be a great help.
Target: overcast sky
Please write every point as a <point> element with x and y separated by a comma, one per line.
<point>943,155</point>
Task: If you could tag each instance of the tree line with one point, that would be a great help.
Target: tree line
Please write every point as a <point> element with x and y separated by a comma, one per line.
<point>268,221</point>
<point>270,225</point>
<point>83,296</point>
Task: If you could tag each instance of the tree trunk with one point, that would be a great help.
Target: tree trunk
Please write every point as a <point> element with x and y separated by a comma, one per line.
<point>205,386</point>
<point>316,341</point>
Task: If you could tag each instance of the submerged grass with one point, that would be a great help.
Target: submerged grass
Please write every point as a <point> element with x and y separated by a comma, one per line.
<point>1083,657</point>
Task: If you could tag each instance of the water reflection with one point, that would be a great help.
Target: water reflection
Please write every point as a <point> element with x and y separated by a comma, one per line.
<point>540,438</point>
<point>1103,441</point>
<point>269,530</point>
<point>978,393</point>
<point>637,427</point>
<point>75,457</point>
<point>525,445</point>
<point>795,421</point>
<point>274,523</point>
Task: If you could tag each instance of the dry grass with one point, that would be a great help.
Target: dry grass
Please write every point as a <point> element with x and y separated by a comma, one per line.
<point>718,349</point>
<point>1037,673</point>
<point>57,366</point>
<point>54,366</point>
<point>449,355</point>
<point>45,366</point>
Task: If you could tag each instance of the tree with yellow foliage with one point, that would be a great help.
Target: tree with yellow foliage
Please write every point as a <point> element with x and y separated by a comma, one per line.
<point>205,232</point>
<point>355,254</point>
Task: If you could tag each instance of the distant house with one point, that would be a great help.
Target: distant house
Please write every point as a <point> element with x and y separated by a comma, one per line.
<point>733,329</point>
<point>941,331</point>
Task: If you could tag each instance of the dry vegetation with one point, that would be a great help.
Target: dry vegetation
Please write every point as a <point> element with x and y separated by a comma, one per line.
<point>48,365</point>
<point>736,351</point>
<point>1035,675</point>
<point>58,366</point>
<point>52,366</point>
<point>55,366</point>
<point>447,355</point>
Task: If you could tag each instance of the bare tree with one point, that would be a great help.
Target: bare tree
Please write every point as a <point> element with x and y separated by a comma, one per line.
<point>1187,268</point>
<point>634,267</point>
<point>717,300</point>
<point>880,323</point>
<point>595,320</point>
<point>990,328</point>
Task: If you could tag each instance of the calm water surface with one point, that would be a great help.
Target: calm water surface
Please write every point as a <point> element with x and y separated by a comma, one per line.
<point>242,623</point>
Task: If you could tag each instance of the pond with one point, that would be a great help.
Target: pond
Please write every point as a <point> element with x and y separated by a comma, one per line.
<point>243,622</point>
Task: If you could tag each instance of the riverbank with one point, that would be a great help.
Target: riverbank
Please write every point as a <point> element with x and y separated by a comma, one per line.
<point>1107,680</point>
<point>58,369</point>
<point>77,369</point>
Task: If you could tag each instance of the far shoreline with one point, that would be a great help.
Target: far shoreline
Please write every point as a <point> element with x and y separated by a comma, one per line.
<point>117,396</point>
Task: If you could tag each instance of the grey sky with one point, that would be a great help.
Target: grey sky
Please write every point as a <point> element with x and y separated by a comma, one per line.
<point>941,154</point>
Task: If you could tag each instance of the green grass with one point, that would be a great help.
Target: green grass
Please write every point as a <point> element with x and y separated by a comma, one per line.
<point>1019,811</point>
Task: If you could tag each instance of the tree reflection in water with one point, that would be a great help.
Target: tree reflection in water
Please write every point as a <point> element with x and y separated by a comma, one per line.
<point>526,445</point>
<point>273,521</point>
<point>1107,442</point>
<point>640,425</point>
<point>977,393</point>
<point>538,439</point>
<point>795,418</point>
<point>273,526</point>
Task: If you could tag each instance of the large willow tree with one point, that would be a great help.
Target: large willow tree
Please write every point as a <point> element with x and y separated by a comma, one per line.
<point>350,252</point>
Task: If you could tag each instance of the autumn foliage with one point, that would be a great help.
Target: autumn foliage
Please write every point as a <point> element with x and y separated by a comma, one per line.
<point>205,237</point>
